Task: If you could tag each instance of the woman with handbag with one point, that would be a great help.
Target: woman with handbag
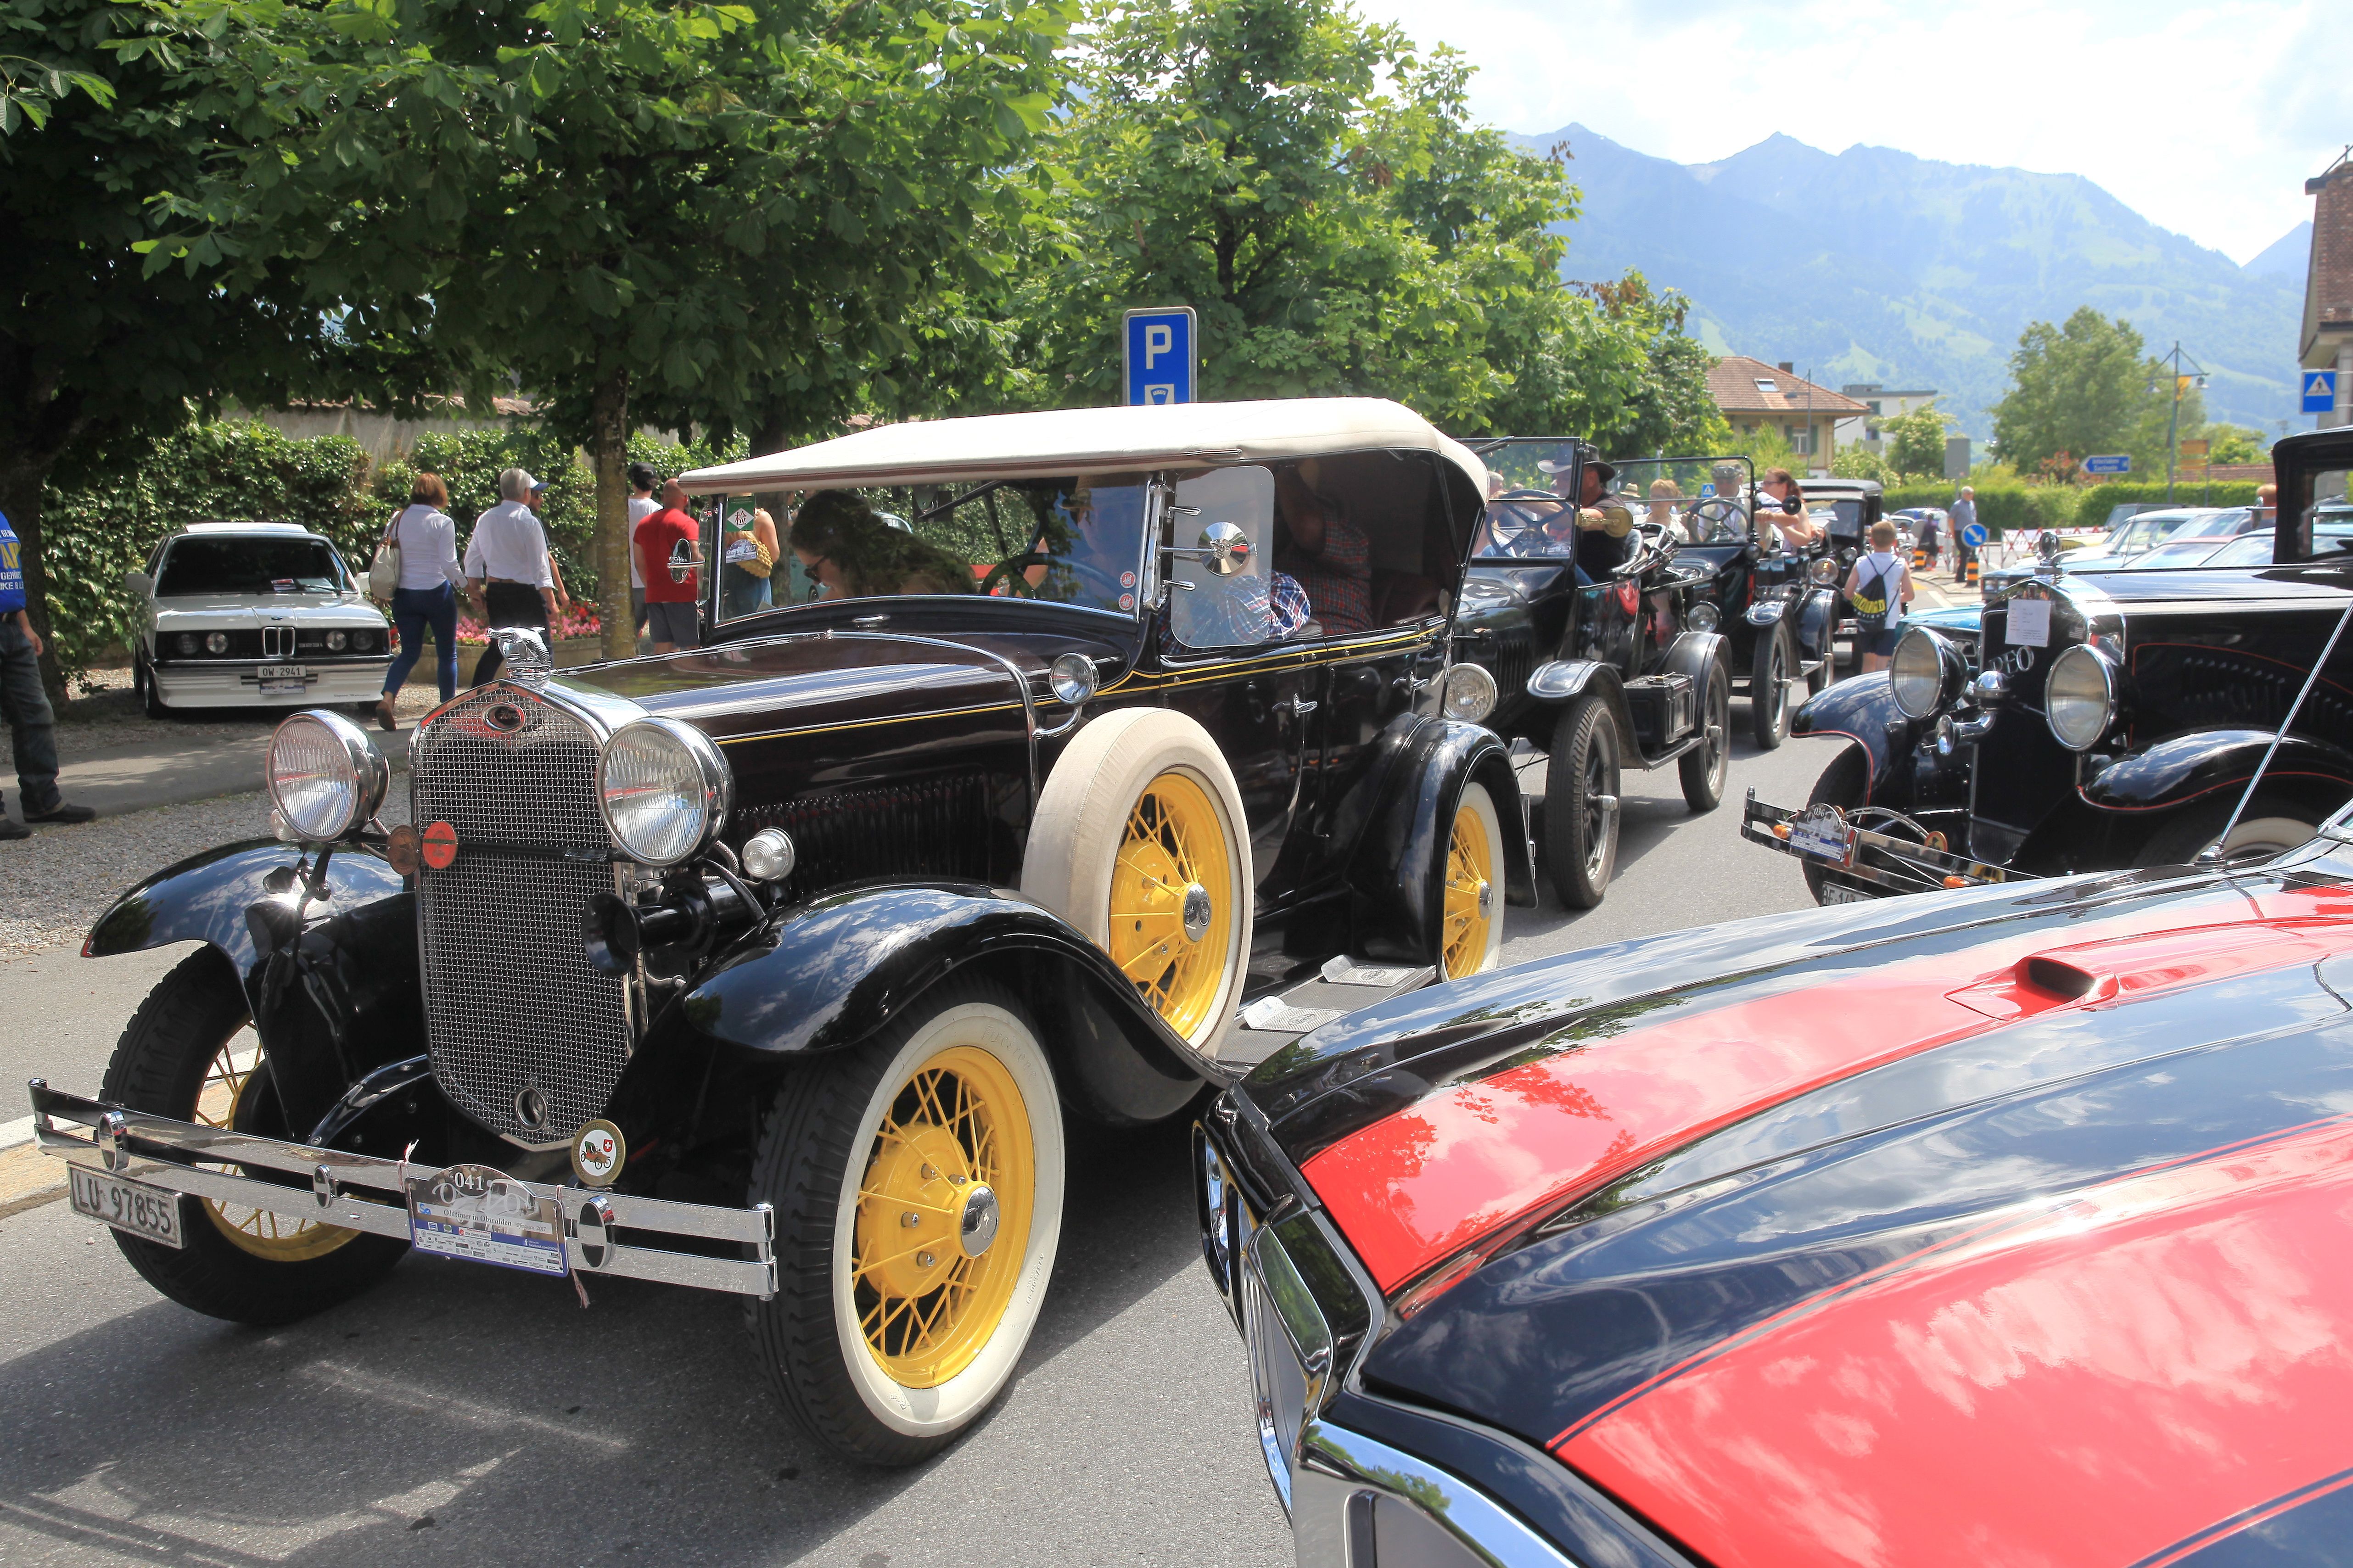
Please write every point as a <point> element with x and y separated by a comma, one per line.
<point>423,544</point>
<point>751,555</point>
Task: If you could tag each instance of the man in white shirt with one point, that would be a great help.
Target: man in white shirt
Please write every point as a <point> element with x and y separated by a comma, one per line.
<point>506,567</point>
<point>643,481</point>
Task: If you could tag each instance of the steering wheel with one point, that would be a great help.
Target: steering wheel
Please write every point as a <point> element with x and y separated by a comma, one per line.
<point>1009,575</point>
<point>1653,550</point>
<point>1718,514</point>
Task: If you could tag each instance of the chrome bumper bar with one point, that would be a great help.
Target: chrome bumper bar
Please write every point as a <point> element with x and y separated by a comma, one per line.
<point>363,1191</point>
<point>1875,863</point>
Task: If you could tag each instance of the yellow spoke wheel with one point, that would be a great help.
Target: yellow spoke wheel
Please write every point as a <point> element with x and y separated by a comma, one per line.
<point>1470,909</point>
<point>944,1207</point>
<point>1171,907</point>
<point>229,1082</point>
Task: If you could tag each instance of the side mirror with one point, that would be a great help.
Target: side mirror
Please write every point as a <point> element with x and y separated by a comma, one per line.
<point>139,582</point>
<point>1224,549</point>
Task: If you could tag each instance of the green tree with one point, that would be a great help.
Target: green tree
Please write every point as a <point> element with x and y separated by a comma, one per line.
<point>1915,441</point>
<point>2087,389</point>
<point>1317,192</point>
<point>688,214</point>
<point>2233,444</point>
<point>102,109</point>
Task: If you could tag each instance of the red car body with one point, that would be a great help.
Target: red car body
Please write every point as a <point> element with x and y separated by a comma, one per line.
<point>2002,1228</point>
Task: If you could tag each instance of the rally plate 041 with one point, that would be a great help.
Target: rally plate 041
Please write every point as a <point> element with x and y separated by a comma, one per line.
<point>134,1206</point>
<point>485,1216</point>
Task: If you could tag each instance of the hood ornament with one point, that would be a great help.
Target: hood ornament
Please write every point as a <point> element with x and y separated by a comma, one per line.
<point>524,650</point>
<point>2048,552</point>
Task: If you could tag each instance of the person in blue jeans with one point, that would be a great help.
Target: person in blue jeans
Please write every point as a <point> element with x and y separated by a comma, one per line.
<point>32,722</point>
<point>427,594</point>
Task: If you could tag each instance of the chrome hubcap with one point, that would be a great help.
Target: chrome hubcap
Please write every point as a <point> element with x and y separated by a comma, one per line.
<point>1197,911</point>
<point>1486,900</point>
<point>978,1226</point>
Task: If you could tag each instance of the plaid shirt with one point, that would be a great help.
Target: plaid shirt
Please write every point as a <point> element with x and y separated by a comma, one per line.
<point>1337,579</point>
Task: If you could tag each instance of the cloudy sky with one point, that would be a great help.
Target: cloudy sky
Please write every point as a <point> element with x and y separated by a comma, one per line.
<point>2205,118</point>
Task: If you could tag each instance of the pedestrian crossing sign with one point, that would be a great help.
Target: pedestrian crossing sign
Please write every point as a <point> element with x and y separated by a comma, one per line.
<point>2319,391</point>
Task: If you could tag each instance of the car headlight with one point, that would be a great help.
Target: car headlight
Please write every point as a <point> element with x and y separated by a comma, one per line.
<point>364,642</point>
<point>1924,673</point>
<point>1073,677</point>
<point>338,641</point>
<point>1703,617</point>
<point>1823,573</point>
<point>187,642</point>
<point>217,642</point>
<point>326,777</point>
<point>664,789</point>
<point>2080,698</point>
<point>1470,693</point>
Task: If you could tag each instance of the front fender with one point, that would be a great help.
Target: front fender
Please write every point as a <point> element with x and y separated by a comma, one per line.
<point>332,1001</point>
<point>1817,624</point>
<point>1395,914</point>
<point>1766,612</point>
<point>1864,711</point>
<point>2180,769</point>
<point>827,974</point>
<point>1563,681</point>
<point>1691,654</point>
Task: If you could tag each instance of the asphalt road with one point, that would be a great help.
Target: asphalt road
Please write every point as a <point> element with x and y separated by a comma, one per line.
<point>464,1415</point>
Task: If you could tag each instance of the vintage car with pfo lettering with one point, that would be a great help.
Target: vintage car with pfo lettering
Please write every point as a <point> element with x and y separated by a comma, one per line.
<point>2002,1226</point>
<point>2103,719</point>
<point>774,966</point>
<point>1594,663</point>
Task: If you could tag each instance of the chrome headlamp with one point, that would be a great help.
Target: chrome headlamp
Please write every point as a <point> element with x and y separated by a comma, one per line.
<point>325,775</point>
<point>1073,677</point>
<point>1926,673</point>
<point>1704,617</point>
<point>2080,697</point>
<point>1470,693</point>
<point>664,789</point>
<point>1823,573</point>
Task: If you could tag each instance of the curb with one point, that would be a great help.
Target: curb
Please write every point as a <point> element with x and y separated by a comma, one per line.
<point>29,1179</point>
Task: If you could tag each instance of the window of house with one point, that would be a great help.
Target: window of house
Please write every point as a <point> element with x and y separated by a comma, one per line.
<point>1766,385</point>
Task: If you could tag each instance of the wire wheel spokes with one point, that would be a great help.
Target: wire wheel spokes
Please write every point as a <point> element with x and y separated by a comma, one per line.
<point>1171,897</point>
<point>956,1128</point>
<point>1469,911</point>
<point>232,1082</point>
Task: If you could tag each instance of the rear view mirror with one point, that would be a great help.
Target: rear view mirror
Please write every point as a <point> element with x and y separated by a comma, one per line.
<point>139,582</point>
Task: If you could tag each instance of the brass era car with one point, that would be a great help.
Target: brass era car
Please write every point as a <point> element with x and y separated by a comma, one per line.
<point>774,966</point>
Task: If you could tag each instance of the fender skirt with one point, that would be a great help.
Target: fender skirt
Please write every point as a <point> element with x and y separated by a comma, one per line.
<point>825,974</point>
<point>1399,917</point>
<point>2183,768</point>
<point>1863,710</point>
<point>333,1002</point>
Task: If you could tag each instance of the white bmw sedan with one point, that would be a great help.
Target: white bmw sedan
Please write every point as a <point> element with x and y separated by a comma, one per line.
<point>241,615</point>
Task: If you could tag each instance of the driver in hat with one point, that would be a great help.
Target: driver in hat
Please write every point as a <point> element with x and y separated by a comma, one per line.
<point>1598,512</point>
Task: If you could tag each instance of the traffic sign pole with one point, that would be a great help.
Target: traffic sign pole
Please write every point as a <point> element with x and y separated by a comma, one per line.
<point>1162,353</point>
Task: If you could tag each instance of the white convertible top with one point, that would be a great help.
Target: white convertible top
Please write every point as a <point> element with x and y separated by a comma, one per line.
<point>1091,441</point>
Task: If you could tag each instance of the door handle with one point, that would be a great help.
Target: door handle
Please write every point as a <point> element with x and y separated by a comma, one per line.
<point>1298,706</point>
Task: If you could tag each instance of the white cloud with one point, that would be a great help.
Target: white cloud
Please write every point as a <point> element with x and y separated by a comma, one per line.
<point>2204,118</point>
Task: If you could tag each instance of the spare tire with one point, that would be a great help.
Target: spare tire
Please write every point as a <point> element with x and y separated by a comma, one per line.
<point>1139,841</point>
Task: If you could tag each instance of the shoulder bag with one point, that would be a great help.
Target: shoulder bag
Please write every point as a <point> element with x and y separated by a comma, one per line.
<point>384,572</point>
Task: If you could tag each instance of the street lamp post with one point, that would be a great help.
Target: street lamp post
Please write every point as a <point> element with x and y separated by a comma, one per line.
<point>2173,419</point>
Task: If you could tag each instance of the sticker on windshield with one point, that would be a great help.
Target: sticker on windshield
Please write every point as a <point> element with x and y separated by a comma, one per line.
<point>2030,624</point>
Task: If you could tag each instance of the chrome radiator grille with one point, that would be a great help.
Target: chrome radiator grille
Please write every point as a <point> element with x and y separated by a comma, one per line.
<point>510,1003</point>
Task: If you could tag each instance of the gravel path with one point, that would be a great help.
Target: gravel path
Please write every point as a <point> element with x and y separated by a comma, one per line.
<point>111,717</point>
<point>55,885</point>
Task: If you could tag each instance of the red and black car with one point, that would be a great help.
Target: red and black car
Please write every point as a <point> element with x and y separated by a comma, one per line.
<point>2002,1226</point>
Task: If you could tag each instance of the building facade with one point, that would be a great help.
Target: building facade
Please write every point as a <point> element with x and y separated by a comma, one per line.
<point>1883,403</point>
<point>2326,340</point>
<point>1754,394</point>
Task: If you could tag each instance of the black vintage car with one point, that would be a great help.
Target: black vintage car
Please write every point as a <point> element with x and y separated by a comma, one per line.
<point>1593,661</point>
<point>2102,719</point>
<point>774,966</point>
<point>2005,1225</point>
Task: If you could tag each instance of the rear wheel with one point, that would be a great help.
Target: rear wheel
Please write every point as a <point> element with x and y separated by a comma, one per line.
<point>1768,689</point>
<point>2270,826</point>
<point>1580,822</point>
<point>1842,785</point>
<point>189,1052</point>
<point>917,1183</point>
<point>1707,766</point>
<point>1471,937</point>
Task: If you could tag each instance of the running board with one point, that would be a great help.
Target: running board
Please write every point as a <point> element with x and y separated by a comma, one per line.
<point>1346,984</point>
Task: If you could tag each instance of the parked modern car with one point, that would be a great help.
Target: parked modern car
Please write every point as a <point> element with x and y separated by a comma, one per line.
<point>1597,674</point>
<point>2206,550</point>
<point>774,967</point>
<point>240,615</point>
<point>2109,717</point>
<point>2147,530</point>
<point>2005,1228</point>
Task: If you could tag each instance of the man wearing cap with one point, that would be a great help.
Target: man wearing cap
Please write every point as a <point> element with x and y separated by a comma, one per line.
<point>1600,515</point>
<point>507,570</point>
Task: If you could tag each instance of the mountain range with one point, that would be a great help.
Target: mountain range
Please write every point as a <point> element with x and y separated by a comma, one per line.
<point>1873,265</point>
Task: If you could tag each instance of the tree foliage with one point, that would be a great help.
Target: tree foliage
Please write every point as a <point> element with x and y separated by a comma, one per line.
<point>683,214</point>
<point>1315,190</point>
<point>1915,441</point>
<point>2087,389</point>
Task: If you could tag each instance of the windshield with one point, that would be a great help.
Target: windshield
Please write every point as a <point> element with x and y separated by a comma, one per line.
<point>2149,530</point>
<point>2217,524</point>
<point>2247,549</point>
<point>1069,541</point>
<point>1694,500</point>
<point>210,566</point>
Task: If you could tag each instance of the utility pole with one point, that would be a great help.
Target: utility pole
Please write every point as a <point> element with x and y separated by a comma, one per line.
<point>2173,420</point>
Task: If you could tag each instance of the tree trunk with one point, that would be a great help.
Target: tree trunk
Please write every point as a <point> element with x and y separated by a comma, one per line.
<point>608,451</point>
<point>22,479</point>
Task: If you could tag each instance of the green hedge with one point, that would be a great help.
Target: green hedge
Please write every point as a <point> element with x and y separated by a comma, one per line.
<point>2002,507</point>
<point>105,518</point>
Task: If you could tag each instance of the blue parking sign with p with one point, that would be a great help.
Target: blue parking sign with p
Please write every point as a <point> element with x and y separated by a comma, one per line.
<point>1162,356</point>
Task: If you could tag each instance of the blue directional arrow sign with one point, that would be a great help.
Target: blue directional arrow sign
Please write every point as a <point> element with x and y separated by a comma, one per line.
<point>2115,463</point>
<point>1163,355</point>
<point>2319,391</point>
<point>1974,535</point>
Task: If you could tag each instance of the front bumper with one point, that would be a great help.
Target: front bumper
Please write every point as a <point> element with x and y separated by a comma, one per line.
<point>237,685</point>
<point>363,1191</point>
<point>1868,865</point>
